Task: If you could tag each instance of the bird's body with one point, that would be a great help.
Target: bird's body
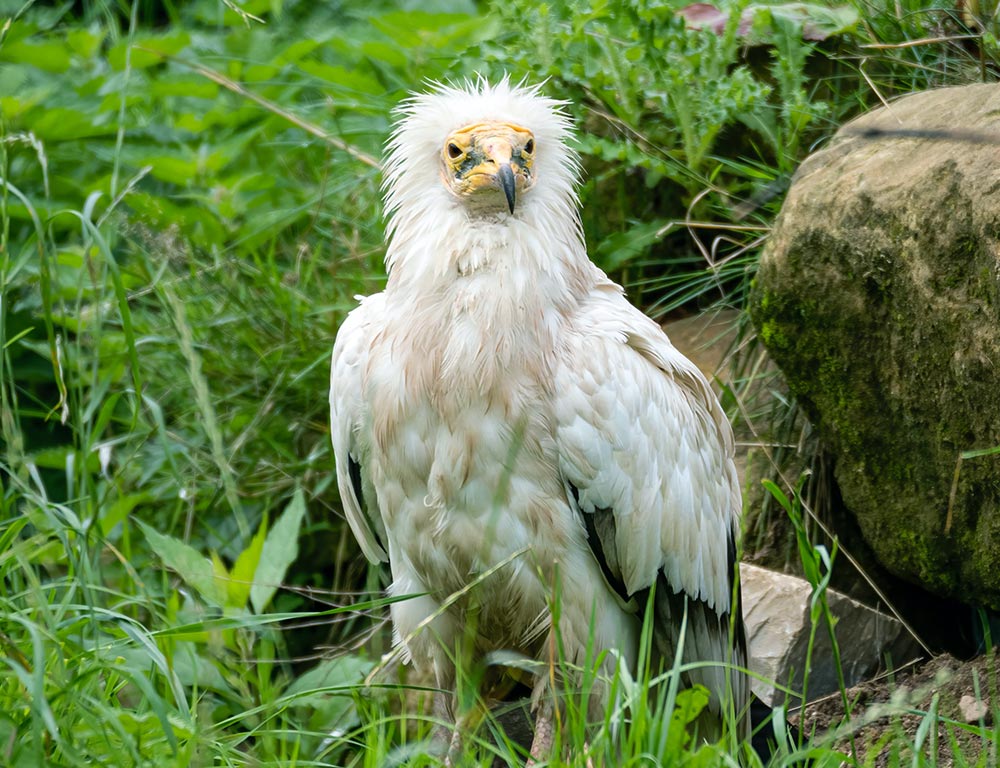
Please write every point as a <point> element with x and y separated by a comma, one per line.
<point>502,416</point>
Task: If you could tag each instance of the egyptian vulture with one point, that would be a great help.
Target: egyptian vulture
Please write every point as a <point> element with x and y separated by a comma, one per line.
<point>501,403</point>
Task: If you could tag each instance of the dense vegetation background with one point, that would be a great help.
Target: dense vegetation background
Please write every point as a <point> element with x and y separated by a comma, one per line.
<point>189,200</point>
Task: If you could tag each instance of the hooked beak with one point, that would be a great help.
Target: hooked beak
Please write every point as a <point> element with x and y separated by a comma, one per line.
<point>505,175</point>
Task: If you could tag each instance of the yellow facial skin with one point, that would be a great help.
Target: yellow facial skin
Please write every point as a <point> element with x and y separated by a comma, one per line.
<point>489,163</point>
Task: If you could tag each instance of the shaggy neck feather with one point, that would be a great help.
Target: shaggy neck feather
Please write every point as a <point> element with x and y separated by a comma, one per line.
<point>538,251</point>
<point>487,295</point>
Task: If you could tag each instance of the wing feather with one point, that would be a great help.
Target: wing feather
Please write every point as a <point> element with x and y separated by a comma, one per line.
<point>648,453</point>
<point>350,354</point>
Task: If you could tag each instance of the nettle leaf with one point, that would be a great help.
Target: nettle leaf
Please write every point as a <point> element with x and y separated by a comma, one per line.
<point>280,549</point>
<point>188,563</point>
<point>222,578</point>
<point>299,50</point>
<point>195,222</point>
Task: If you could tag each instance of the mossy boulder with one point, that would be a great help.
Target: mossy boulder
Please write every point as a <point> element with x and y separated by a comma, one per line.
<point>878,295</point>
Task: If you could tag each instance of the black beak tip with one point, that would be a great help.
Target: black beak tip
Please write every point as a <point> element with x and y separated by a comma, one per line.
<point>506,176</point>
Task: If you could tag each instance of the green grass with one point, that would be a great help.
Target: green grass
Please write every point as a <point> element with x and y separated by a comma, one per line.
<point>189,203</point>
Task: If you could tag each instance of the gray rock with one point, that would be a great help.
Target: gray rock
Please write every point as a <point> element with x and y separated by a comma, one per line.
<point>776,610</point>
<point>878,295</point>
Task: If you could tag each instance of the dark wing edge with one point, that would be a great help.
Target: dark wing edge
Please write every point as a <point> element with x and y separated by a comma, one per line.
<point>710,636</point>
<point>350,354</point>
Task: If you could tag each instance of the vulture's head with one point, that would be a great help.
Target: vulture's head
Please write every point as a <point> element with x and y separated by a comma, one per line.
<point>480,150</point>
<point>480,159</point>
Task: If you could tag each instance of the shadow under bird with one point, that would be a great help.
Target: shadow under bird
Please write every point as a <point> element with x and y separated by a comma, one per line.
<point>502,417</point>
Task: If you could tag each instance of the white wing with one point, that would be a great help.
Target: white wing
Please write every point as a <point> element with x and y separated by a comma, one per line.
<point>350,354</point>
<point>648,456</point>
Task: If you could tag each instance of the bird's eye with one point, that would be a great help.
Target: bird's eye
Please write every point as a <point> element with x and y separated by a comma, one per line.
<point>454,151</point>
<point>529,147</point>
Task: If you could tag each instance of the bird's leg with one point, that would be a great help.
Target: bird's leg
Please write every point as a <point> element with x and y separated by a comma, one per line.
<point>446,735</point>
<point>463,723</point>
<point>541,744</point>
<point>454,749</point>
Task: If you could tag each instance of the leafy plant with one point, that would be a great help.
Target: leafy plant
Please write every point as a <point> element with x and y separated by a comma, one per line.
<point>189,201</point>
<point>655,91</point>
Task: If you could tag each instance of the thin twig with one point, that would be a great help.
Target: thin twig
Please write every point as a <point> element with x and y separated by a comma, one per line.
<point>922,41</point>
<point>875,90</point>
<point>270,106</point>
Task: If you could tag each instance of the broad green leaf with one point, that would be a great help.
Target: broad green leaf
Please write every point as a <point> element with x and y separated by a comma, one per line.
<point>242,574</point>
<point>183,85</point>
<point>298,50</point>
<point>49,55</point>
<point>192,669</point>
<point>818,21</point>
<point>327,691</point>
<point>63,124</point>
<point>188,563</point>
<point>222,577</point>
<point>688,706</point>
<point>386,53</point>
<point>281,547</point>
<point>408,29</point>
<point>349,79</point>
<point>195,221</point>
<point>184,167</point>
<point>147,50</point>
<point>260,73</point>
<point>84,42</point>
<point>619,249</point>
<point>120,509</point>
<point>330,673</point>
<point>57,458</point>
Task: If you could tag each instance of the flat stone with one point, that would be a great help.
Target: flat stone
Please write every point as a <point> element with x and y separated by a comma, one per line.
<point>776,611</point>
<point>973,710</point>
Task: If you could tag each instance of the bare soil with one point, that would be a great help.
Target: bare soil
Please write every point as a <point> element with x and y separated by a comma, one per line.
<point>963,695</point>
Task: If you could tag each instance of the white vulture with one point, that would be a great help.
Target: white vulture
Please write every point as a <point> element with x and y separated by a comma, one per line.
<point>501,403</point>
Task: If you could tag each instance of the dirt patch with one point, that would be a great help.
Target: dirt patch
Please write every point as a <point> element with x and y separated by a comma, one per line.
<point>943,709</point>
